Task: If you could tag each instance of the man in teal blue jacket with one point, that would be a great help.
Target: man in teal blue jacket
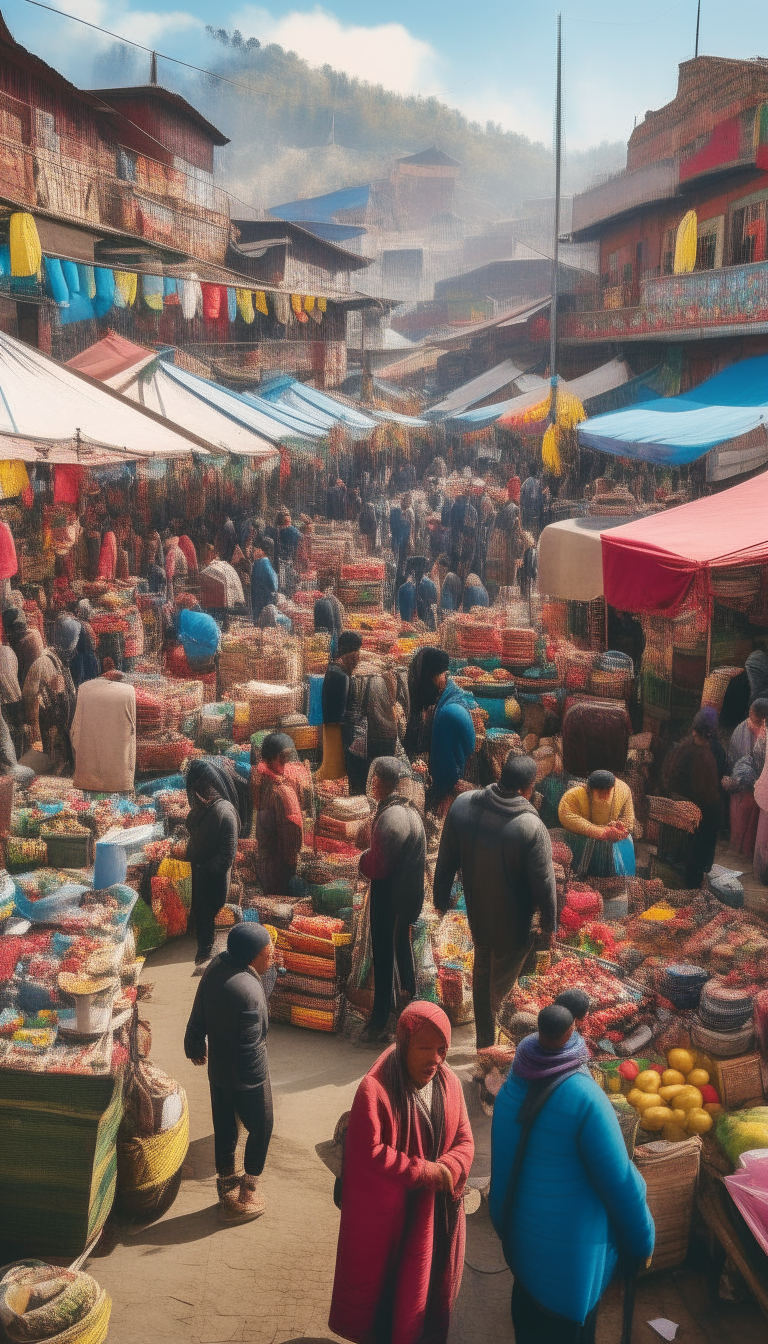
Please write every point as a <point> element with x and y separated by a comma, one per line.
<point>453,740</point>
<point>579,1202</point>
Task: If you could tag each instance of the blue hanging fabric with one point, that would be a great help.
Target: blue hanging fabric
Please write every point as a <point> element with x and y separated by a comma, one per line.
<point>231,304</point>
<point>105,290</point>
<point>55,284</point>
<point>5,259</point>
<point>169,286</point>
<point>80,306</point>
<point>71,276</point>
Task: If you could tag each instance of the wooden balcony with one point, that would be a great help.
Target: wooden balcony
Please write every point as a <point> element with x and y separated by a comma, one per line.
<point>731,301</point>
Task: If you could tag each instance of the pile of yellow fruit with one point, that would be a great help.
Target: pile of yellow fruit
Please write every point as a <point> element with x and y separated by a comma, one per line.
<point>672,1103</point>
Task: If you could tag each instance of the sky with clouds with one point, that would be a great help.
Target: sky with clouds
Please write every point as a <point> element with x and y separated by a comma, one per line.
<point>494,59</point>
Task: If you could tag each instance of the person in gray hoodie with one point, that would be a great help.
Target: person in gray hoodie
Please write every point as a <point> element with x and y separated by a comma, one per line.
<point>497,839</point>
<point>395,864</point>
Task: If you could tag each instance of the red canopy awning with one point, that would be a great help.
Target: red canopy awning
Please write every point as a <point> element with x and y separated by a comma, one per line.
<point>651,565</point>
<point>112,357</point>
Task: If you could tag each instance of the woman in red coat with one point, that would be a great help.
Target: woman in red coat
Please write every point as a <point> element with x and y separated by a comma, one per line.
<point>407,1156</point>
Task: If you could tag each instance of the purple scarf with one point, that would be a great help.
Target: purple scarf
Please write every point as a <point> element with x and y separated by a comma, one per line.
<point>533,1063</point>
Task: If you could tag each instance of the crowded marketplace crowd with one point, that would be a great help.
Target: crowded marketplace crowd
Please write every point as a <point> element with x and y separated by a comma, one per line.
<point>393,788</point>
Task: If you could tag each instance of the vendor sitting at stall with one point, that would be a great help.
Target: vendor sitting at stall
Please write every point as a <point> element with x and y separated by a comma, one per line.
<point>600,816</point>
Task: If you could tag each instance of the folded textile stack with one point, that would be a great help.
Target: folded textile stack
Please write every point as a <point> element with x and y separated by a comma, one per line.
<point>343,818</point>
<point>315,953</point>
<point>518,646</point>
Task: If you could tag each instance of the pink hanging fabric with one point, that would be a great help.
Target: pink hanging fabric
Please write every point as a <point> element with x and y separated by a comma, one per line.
<point>9,565</point>
<point>67,482</point>
<point>107,557</point>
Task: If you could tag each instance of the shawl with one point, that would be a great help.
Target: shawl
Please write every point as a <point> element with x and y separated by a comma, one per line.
<point>187,549</point>
<point>284,785</point>
<point>535,1064</point>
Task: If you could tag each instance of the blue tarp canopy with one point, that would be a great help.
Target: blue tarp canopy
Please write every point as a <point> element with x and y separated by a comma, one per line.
<point>274,422</point>
<point>322,209</point>
<point>316,404</point>
<point>675,430</point>
<point>323,409</point>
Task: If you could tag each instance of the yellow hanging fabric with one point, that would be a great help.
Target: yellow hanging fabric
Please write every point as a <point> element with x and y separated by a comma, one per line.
<point>26,254</point>
<point>296,303</point>
<point>245,305</point>
<point>686,244</point>
<point>321,303</point>
<point>261,302</point>
<point>309,303</point>
<point>550,451</point>
<point>13,479</point>
<point>125,284</point>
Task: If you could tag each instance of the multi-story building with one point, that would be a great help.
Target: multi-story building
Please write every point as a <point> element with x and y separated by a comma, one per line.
<point>707,151</point>
<point>124,178</point>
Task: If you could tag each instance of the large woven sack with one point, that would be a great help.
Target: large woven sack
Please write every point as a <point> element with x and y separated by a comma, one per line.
<point>41,1302</point>
<point>670,1171</point>
<point>149,1168</point>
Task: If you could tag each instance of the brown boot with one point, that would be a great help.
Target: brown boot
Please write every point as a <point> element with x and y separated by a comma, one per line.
<point>249,1204</point>
<point>228,1190</point>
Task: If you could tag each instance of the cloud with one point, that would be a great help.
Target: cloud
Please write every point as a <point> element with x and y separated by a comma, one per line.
<point>385,53</point>
<point>144,26</point>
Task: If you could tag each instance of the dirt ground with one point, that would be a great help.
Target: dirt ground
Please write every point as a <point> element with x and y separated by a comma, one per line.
<point>184,1278</point>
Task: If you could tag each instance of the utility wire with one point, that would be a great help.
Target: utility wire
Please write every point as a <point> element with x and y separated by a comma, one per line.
<point>119,38</point>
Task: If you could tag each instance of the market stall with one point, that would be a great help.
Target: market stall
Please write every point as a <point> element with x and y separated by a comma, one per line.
<point>697,574</point>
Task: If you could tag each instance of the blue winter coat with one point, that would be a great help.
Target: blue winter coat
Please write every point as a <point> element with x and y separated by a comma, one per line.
<point>264,586</point>
<point>476,596</point>
<point>453,741</point>
<point>406,601</point>
<point>579,1200</point>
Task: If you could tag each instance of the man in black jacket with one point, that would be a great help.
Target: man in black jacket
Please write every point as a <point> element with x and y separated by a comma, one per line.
<point>230,1013</point>
<point>496,838</point>
<point>395,864</point>
<point>336,684</point>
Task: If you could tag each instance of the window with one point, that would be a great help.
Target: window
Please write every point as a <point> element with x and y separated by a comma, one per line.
<point>748,229</point>
<point>709,248</point>
<point>668,251</point>
<point>45,131</point>
<point>126,165</point>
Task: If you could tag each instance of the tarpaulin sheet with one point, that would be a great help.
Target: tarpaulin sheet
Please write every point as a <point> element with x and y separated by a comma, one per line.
<point>650,565</point>
<point>113,360</point>
<point>676,430</point>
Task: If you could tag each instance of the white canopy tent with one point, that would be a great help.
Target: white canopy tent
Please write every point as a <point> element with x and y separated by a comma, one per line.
<point>571,558</point>
<point>53,413</point>
<point>159,391</point>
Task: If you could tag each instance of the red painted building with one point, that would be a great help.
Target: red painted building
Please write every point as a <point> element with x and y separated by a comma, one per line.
<point>707,151</point>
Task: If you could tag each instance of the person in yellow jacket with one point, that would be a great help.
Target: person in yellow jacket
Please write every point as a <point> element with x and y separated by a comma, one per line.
<point>599,811</point>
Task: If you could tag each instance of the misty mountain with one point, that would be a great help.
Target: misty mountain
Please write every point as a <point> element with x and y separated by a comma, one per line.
<point>298,131</point>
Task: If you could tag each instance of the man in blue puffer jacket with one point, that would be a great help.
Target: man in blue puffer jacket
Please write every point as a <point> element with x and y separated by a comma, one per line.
<point>579,1202</point>
<point>453,740</point>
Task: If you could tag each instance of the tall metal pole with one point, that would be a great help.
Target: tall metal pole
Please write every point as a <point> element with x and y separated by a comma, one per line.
<point>556,247</point>
<point>698,21</point>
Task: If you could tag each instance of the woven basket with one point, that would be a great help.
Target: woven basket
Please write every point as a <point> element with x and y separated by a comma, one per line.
<point>161,756</point>
<point>739,1081</point>
<point>148,1168</point>
<point>670,1171</point>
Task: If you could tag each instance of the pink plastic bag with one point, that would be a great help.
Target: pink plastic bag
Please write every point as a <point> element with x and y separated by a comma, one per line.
<point>748,1188</point>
